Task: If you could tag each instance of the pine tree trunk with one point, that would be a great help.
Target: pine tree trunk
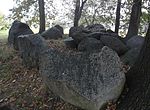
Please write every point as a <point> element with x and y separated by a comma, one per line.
<point>134,19</point>
<point>117,24</point>
<point>77,11</point>
<point>41,15</point>
<point>138,81</point>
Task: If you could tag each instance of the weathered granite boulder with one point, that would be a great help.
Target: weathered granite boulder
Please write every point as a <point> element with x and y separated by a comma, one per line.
<point>52,33</point>
<point>70,43</point>
<point>115,44</point>
<point>135,41</point>
<point>87,80</point>
<point>74,29</point>
<point>60,28</point>
<point>109,32</point>
<point>5,107</point>
<point>96,35</point>
<point>96,28</point>
<point>78,33</point>
<point>130,57</point>
<point>30,47</point>
<point>90,44</point>
<point>17,28</point>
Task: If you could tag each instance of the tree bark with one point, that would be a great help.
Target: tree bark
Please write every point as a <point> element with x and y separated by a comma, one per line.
<point>138,81</point>
<point>78,12</point>
<point>76,17</point>
<point>41,15</point>
<point>134,19</point>
<point>117,24</point>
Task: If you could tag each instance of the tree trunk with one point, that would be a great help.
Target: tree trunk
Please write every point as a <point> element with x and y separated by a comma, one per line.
<point>41,15</point>
<point>77,11</point>
<point>117,24</point>
<point>138,81</point>
<point>134,19</point>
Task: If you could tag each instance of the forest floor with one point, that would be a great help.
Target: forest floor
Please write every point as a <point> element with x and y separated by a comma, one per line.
<point>23,89</point>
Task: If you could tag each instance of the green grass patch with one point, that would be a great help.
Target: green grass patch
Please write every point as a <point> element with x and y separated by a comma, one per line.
<point>3,34</point>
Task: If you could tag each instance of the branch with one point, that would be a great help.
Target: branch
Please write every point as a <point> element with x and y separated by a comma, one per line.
<point>82,5</point>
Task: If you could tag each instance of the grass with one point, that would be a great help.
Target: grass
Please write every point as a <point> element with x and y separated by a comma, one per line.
<point>3,34</point>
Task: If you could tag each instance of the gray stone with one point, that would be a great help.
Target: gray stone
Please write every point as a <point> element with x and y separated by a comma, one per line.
<point>17,28</point>
<point>30,47</point>
<point>60,28</point>
<point>130,57</point>
<point>5,107</point>
<point>115,44</point>
<point>90,44</point>
<point>52,33</point>
<point>70,43</point>
<point>78,33</point>
<point>96,28</point>
<point>113,34</point>
<point>86,80</point>
<point>95,35</point>
<point>135,41</point>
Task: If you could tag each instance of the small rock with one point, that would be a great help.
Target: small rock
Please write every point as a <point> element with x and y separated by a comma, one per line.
<point>70,43</point>
<point>90,44</point>
<point>52,33</point>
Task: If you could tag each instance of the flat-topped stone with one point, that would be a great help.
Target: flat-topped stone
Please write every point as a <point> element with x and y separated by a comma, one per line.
<point>87,80</point>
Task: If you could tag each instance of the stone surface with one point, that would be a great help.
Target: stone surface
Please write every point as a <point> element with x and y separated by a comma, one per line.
<point>130,57</point>
<point>52,33</point>
<point>30,47</point>
<point>135,41</point>
<point>70,43</point>
<point>114,44</point>
<point>17,28</point>
<point>95,35</point>
<point>90,45</point>
<point>87,80</point>
<point>5,107</point>
<point>96,28</point>
<point>78,33</point>
<point>60,28</point>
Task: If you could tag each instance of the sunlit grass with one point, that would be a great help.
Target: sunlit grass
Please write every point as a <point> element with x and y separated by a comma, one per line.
<point>3,34</point>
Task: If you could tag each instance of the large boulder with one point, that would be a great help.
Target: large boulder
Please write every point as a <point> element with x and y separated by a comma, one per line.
<point>60,28</point>
<point>30,47</point>
<point>109,32</point>
<point>17,28</point>
<point>96,35</point>
<point>5,107</point>
<point>135,41</point>
<point>78,33</point>
<point>114,43</point>
<point>87,80</point>
<point>70,43</point>
<point>96,28</point>
<point>52,33</point>
<point>90,45</point>
<point>130,57</point>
